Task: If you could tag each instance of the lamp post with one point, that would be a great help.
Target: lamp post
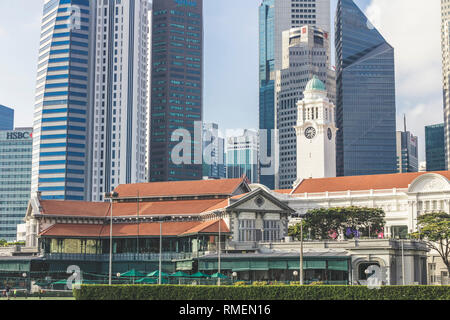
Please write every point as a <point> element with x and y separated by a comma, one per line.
<point>160,252</point>
<point>218,265</point>
<point>295,273</point>
<point>111,196</point>
<point>234,275</point>
<point>24,275</point>
<point>403,262</point>
<point>301,216</point>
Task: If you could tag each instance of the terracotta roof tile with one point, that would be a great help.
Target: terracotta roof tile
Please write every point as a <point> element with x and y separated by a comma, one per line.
<point>355,183</point>
<point>179,188</point>
<point>119,230</point>
<point>179,207</point>
<point>74,208</point>
<point>209,227</point>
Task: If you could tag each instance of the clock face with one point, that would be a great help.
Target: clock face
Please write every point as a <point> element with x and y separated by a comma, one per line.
<point>330,134</point>
<point>310,133</point>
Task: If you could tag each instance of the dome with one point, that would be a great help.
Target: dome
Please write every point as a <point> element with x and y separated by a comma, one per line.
<point>315,84</point>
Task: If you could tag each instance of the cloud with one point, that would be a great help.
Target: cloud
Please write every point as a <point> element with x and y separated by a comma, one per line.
<point>414,30</point>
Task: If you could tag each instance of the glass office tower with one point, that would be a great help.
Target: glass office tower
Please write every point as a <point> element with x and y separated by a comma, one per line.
<point>6,118</point>
<point>176,89</point>
<point>365,94</point>
<point>276,16</point>
<point>435,147</point>
<point>15,179</point>
<point>61,114</point>
<point>267,79</point>
<point>242,156</point>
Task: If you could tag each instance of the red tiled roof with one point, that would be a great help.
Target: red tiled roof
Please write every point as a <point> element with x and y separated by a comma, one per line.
<point>124,209</point>
<point>179,188</point>
<point>119,230</point>
<point>166,207</point>
<point>74,208</point>
<point>209,227</point>
<point>355,183</point>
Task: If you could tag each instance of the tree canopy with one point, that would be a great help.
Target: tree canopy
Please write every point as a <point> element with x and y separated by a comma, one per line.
<point>349,222</point>
<point>434,229</point>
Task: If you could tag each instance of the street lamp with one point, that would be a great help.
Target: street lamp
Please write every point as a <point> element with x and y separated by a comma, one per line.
<point>295,273</point>
<point>218,266</point>
<point>160,252</point>
<point>234,275</point>
<point>111,196</point>
<point>24,275</point>
<point>301,216</point>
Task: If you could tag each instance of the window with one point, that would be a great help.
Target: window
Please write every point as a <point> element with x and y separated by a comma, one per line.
<point>247,231</point>
<point>271,230</point>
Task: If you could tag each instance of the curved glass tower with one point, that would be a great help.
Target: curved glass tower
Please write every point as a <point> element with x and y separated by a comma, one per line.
<point>365,90</point>
<point>61,115</point>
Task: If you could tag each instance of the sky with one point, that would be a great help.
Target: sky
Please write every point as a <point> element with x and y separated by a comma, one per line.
<point>231,59</point>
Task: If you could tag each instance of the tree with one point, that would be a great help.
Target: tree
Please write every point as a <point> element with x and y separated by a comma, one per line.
<point>3,242</point>
<point>434,230</point>
<point>349,222</point>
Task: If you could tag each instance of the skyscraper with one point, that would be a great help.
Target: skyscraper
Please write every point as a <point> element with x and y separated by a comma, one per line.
<point>435,147</point>
<point>407,152</point>
<point>306,53</point>
<point>242,155</point>
<point>6,118</point>
<point>213,152</point>
<point>177,87</point>
<point>445,44</point>
<point>120,94</point>
<point>276,16</point>
<point>61,133</point>
<point>15,179</point>
<point>365,94</point>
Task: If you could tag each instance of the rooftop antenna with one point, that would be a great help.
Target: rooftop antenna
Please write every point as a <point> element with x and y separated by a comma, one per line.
<point>404,121</point>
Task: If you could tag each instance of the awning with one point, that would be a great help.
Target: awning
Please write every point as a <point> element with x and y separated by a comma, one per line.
<point>338,265</point>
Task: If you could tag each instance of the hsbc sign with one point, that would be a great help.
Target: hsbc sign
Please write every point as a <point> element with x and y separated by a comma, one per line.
<point>18,135</point>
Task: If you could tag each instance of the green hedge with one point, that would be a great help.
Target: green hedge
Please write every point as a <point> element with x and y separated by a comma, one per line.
<point>173,292</point>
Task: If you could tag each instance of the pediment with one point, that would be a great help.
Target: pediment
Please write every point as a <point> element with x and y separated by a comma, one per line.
<point>260,200</point>
<point>430,182</point>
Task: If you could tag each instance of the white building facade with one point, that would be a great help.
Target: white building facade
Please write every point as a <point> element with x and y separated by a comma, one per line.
<point>403,197</point>
<point>316,133</point>
<point>120,128</point>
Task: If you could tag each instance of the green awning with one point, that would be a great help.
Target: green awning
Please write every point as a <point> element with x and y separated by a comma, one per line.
<point>259,265</point>
<point>338,265</point>
<point>278,265</point>
<point>307,264</point>
<point>241,265</point>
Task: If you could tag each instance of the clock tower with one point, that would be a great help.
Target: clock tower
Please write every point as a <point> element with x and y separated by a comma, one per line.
<point>316,133</point>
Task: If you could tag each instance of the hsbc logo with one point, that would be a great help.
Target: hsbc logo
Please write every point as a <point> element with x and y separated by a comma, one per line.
<point>18,135</point>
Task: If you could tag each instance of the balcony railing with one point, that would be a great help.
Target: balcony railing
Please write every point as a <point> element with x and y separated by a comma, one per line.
<point>167,256</point>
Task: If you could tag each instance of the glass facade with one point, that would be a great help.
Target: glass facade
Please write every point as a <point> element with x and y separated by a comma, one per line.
<point>365,89</point>
<point>435,147</point>
<point>6,118</point>
<point>267,78</point>
<point>242,156</point>
<point>15,179</point>
<point>407,152</point>
<point>61,113</point>
<point>176,89</point>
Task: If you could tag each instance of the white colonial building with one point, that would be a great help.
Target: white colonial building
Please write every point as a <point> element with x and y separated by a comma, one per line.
<point>316,133</point>
<point>403,197</point>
